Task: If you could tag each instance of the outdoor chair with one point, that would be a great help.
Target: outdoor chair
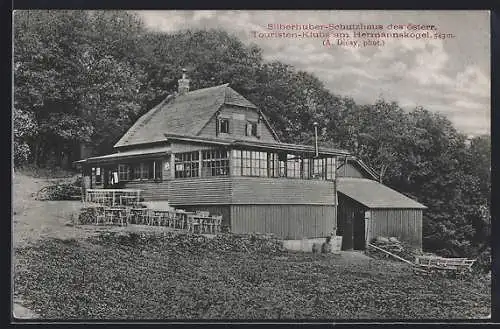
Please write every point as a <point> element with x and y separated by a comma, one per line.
<point>100,216</point>
<point>125,216</point>
<point>217,222</point>
<point>140,215</point>
<point>179,221</point>
<point>192,224</point>
<point>156,217</point>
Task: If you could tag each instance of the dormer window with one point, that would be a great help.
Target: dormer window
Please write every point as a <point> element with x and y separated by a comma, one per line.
<point>252,129</point>
<point>224,126</point>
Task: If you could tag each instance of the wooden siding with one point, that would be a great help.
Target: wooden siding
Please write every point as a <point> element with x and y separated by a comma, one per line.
<point>405,224</point>
<point>257,190</point>
<point>286,221</point>
<point>152,191</point>
<point>349,170</point>
<point>200,191</point>
<point>238,118</point>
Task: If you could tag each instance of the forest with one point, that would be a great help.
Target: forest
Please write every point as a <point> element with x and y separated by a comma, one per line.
<point>84,77</point>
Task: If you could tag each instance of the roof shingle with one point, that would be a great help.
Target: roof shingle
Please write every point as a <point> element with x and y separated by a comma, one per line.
<point>183,114</point>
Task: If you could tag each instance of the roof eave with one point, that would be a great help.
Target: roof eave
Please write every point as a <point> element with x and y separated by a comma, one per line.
<point>235,142</point>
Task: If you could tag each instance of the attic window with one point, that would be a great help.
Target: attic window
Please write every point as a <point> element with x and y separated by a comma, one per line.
<point>251,129</point>
<point>224,126</point>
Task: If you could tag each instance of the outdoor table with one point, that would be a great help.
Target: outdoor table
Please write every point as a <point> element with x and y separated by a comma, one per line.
<point>115,213</point>
<point>182,217</point>
<point>129,199</point>
<point>140,214</point>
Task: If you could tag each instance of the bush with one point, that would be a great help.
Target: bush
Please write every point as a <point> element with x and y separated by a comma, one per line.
<point>483,262</point>
<point>59,191</point>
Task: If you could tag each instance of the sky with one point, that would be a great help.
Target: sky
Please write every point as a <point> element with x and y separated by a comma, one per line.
<point>449,75</point>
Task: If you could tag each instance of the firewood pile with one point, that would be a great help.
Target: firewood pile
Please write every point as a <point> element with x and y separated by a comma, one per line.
<point>250,243</point>
<point>394,246</point>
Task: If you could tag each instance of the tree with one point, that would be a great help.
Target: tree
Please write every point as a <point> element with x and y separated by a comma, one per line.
<point>75,71</point>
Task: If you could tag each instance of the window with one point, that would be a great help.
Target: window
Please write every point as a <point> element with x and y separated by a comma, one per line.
<point>158,172</point>
<point>282,164</point>
<point>140,170</point>
<point>306,168</point>
<point>224,126</point>
<point>98,175</point>
<point>143,170</point>
<point>294,166</point>
<point>251,129</point>
<point>187,164</point>
<point>236,163</point>
<point>330,168</point>
<point>318,170</point>
<point>215,163</point>
<point>254,163</point>
<point>272,165</point>
<point>123,172</point>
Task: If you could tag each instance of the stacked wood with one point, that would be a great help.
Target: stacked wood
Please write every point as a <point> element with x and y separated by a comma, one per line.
<point>395,246</point>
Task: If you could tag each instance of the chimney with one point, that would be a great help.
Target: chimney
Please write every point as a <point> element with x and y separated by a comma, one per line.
<point>183,83</point>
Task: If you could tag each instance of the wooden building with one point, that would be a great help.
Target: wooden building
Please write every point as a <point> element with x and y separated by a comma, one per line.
<point>211,149</point>
<point>368,209</point>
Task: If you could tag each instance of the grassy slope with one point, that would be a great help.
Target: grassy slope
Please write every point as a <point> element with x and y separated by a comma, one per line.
<point>91,279</point>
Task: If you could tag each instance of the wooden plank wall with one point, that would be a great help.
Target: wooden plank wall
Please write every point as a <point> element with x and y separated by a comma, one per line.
<point>349,170</point>
<point>286,221</point>
<point>200,191</point>
<point>152,191</point>
<point>405,224</point>
<point>257,190</point>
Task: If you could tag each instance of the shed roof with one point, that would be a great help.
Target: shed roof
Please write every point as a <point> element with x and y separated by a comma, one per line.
<point>182,114</point>
<point>374,195</point>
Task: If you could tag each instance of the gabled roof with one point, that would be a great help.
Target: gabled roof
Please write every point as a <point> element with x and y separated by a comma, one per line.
<point>182,114</point>
<point>375,195</point>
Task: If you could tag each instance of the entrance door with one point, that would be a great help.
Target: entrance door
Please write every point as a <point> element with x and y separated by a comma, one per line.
<point>359,230</point>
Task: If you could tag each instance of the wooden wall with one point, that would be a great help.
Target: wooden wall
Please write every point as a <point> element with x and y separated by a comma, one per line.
<point>405,224</point>
<point>349,170</point>
<point>200,191</point>
<point>152,191</point>
<point>238,118</point>
<point>286,221</point>
<point>260,190</point>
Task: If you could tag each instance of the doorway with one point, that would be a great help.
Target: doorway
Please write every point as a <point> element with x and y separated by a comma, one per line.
<point>358,232</point>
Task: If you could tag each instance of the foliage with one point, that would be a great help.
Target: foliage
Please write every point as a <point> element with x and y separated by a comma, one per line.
<point>60,191</point>
<point>133,277</point>
<point>83,77</point>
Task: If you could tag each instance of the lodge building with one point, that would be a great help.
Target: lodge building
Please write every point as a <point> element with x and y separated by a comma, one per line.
<point>213,150</point>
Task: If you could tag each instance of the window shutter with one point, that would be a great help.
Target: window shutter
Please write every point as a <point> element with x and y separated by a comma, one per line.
<point>248,129</point>
<point>259,127</point>
<point>230,125</point>
<point>217,126</point>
